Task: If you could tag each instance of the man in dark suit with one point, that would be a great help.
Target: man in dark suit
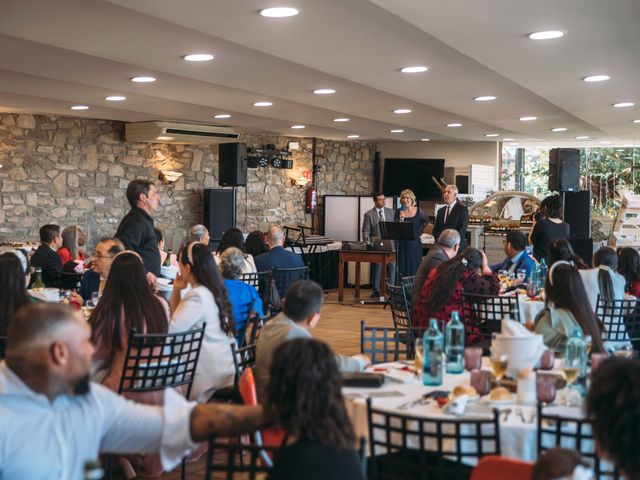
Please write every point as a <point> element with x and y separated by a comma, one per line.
<point>46,256</point>
<point>277,256</point>
<point>515,245</point>
<point>444,249</point>
<point>453,215</point>
<point>371,228</point>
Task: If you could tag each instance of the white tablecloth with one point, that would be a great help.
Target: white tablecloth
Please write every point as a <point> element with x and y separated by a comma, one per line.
<point>528,309</point>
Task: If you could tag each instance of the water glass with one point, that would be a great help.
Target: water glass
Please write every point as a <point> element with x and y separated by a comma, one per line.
<point>472,358</point>
<point>481,381</point>
<point>596,360</point>
<point>546,388</point>
<point>499,364</point>
<point>95,298</point>
<point>547,360</point>
<point>521,275</point>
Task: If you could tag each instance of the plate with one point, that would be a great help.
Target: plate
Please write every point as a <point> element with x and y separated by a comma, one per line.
<point>497,403</point>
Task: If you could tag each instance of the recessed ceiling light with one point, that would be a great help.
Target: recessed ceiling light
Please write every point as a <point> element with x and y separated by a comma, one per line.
<point>396,130</point>
<point>115,98</point>
<point>485,98</point>
<point>583,137</point>
<point>546,35</point>
<point>353,136</point>
<point>324,91</point>
<point>279,12</point>
<point>605,142</point>
<point>492,135</point>
<point>559,129</point>
<point>507,139</point>
<point>454,125</point>
<point>340,119</point>
<point>623,104</point>
<point>402,110</point>
<point>414,69</point>
<point>262,104</point>
<point>298,127</point>
<point>143,79</point>
<point>425,139</point>
<point>528,119</point>
<point>222,115</point>
<point>198,57</point>
<point>164,138</point>
<point>80,107</point>
<point>636,121</point>
<point>596,78</point>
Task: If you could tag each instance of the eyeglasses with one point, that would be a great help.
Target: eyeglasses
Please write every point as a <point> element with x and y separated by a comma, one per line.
<point>97,255</point>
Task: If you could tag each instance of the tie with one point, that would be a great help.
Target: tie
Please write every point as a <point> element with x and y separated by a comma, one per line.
<point>446,213</point>
<point>380,216</point>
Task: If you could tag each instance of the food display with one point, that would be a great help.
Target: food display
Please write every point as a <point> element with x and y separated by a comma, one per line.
<point>504,211</point>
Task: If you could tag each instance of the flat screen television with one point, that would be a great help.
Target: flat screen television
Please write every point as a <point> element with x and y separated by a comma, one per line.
<point>414,174</point>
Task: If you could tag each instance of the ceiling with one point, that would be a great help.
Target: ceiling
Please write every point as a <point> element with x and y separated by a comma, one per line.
<point>57,54</point>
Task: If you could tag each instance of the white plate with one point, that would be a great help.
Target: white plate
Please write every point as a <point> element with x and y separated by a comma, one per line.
<point>498,403</point>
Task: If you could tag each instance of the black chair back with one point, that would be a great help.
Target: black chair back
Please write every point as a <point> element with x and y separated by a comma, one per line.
<point>70,280</point>
<point>407,287</point>
<point>236,460</point>
<point>402,446</point>
<point>3,346</point>
<point>400,309</point>
<point>243,358</point>
<point>573,433</point>
<point>621,320</point>
<point>482,314</point>
<point>384,344</point>
<point>158,361</point>
<point>283,277</point>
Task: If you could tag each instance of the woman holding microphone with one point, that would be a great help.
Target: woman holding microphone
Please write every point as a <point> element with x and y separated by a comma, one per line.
<point>410,251</point>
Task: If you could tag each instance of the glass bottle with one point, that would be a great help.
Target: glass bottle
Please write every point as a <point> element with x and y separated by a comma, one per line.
<point>167,261</point>
<point>37,282</point>
<point>577,348</point>
<point>454,344</point>
<point>534,280</point>
<point>432,355</point>
<point>543,272</point>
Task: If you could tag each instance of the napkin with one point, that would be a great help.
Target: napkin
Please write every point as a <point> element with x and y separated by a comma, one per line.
<point>510,328</point>
<point>524,348</point>
<point>457,406</point>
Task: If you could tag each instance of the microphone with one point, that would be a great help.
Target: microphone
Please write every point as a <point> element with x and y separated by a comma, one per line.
<point>403,208</point>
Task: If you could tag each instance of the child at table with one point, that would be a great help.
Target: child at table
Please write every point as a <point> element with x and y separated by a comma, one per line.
<point>561,463</point>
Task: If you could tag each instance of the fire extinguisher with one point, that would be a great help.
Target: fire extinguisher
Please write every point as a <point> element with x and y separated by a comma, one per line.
<point>311,199</point>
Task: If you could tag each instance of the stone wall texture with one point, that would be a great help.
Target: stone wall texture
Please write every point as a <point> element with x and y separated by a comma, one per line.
<point>73,171</point>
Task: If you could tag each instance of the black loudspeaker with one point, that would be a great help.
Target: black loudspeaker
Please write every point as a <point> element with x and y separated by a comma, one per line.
<point>583,247</point>
<point>577,212</point>
<point>564,169</point>
<point>232,164</point>
<point>462,182</point>
<point>219,212</point>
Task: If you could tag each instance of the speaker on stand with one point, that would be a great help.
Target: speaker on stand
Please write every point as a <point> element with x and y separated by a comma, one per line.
<point>564,169</point>
<point>219,212</point>
<point>232,164</point>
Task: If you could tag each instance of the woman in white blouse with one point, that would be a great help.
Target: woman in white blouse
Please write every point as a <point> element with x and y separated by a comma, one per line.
<point>234,238</point>
<point>206,301</point>
<point>603,279</point>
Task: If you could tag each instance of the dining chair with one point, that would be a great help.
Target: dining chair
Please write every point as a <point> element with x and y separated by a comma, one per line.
<point>235,460</point>
<point>428,448</point>
<point>407,287</point>
<point>482,315</point>
<point>621,320</point>
<point>283,277</point>
<point>400,306</point>
<point>383,344</point>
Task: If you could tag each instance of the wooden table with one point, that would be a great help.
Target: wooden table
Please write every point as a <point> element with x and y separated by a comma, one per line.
<point>368,256</point>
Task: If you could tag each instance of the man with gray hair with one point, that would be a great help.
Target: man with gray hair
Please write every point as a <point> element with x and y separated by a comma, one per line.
<point>444,249</point>
<point>453,215</point>
<point>198,233</point>
<point>277,256</point>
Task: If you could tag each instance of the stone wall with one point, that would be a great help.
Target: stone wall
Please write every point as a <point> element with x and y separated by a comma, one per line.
<point>70,171</point>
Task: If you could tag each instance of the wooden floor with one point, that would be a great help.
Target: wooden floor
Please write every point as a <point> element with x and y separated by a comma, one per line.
<point>340,327</point>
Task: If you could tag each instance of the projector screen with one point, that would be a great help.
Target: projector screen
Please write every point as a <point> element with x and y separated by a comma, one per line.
<point>414,174</point>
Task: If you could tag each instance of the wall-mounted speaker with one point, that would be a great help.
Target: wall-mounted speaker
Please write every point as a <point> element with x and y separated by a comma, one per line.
<point>232,164</point>
<point>564,169</point>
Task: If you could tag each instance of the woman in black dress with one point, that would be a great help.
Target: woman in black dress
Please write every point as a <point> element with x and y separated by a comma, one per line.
<point>549,227</point>
<point>410,251</point>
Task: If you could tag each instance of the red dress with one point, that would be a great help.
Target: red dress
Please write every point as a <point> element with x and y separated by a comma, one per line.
<point>470,280</point>
<point>65,255</point>
<point>634,288</point>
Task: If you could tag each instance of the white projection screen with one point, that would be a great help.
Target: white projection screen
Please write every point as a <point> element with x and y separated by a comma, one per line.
<point>343,215</point>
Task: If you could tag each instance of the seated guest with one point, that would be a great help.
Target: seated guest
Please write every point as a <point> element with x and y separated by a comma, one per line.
<point>173,259</point>
<point>603,279</point>
<point>561,249</point>
<point>612,405</point>
<point>441,294</point>
<point>277,256</point>
<point>567,310</point>
<point>94,280</point>
<point>14,278</point>
<point>207,301</point>
<point>70,249</point>
<point>254,244</point>
<point>514,246</point>
<point>233,238</point>
<point>561,463</point>
<point>46,256</point>
<point>444,249</point>
<point>629,267</point>
<point>549,227</point>
<point>128,302</point>
<point>300,315</point>
<point>198,233</point>
<point>243,297</point>
<point>49,406</point>
<point>304,399</point>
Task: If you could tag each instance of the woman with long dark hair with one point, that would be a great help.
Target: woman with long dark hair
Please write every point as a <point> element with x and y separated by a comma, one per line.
<point>629,267</point>
<point>549,227</point>
<point>234,238</point>
<point>70,249</point>
<point>441,294</point>
<point>304,398</point>
<point>561,249</point>
<point>206,301</point>
<point>603,279</point>
<point>254,244</point>
<point>14,277</point>
<point>567,310</point>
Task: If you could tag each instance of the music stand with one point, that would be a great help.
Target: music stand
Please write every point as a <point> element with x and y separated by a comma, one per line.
<point>397,231</point>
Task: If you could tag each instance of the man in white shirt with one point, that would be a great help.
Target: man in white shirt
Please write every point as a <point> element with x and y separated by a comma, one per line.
<point>53,420</point>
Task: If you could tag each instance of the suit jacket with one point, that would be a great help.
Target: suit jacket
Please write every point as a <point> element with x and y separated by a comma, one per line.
<point>435,257</point>
<point>371,223</point>
<point>524,262</point>
<point>49,261</point>
<point>458,219</point>
<point>136,232</point>
<point>278,257</point>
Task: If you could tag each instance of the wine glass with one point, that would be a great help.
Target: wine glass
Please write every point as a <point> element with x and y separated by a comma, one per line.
<point>499,364</point>
<point>521,274</point>
<point>418,358</point>
<point>503,275</point>
<point>571,371</point>
<point>588,342</point>
<point>95,298</point>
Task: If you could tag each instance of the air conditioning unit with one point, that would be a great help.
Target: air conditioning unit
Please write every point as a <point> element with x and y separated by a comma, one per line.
<point>169,132</point>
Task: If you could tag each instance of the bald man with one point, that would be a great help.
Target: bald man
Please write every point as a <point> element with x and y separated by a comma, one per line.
<point>53,419</point>
<point>277,256</point>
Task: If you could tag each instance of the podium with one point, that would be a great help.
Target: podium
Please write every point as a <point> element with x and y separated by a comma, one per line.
<point>397,231</point>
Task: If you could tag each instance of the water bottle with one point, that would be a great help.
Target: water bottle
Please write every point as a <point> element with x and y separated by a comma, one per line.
<point>577,348</point>
<point>534,281</point>
<point>543,272</point>
<point>432,355</point>
<point>454,344</point>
